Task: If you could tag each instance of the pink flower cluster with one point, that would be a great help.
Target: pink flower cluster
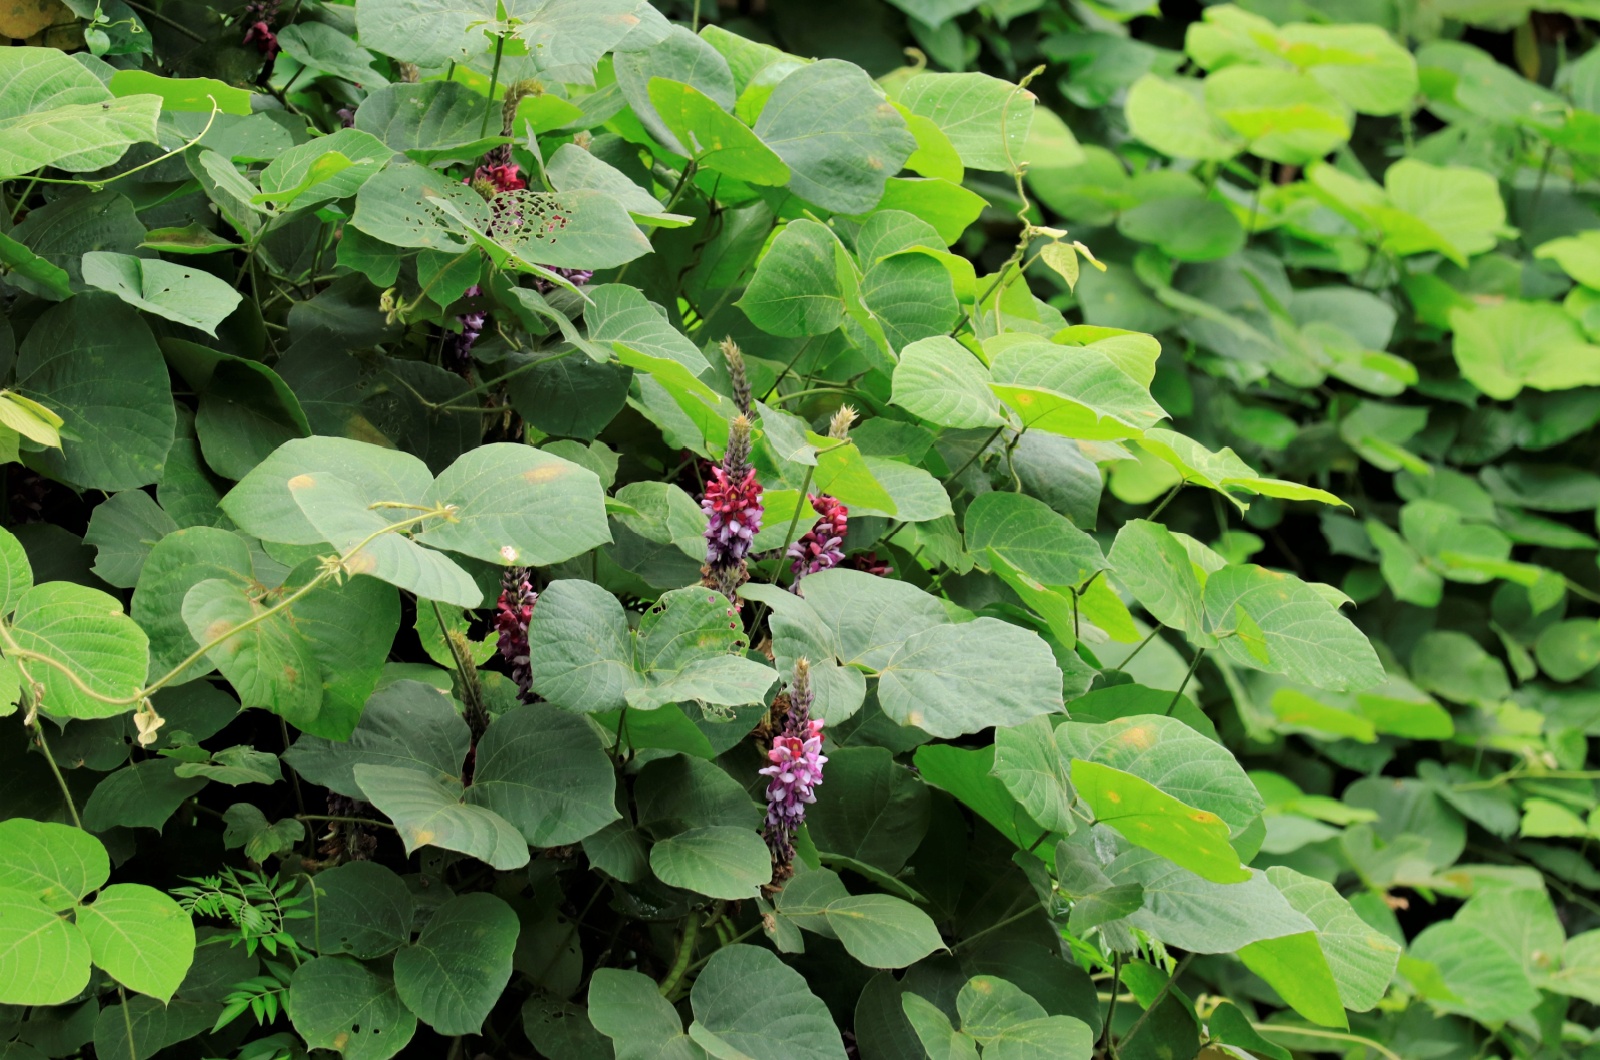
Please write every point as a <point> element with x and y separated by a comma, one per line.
<point>795,772</point>
<point>502,176</point>
<point>733,506</point>
<point>822,546</point>
<point>514,610</point>
<point>258,18</point>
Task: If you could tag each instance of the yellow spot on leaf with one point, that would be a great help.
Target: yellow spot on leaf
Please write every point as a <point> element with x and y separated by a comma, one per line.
<point>220,628</point>
<point>361,563</point>
<point>1113,798</point>
<point>302,482</point>
<point>422,838</point>
<point>1203,817</point>
<point>1136,736</point>
<point>545,473</point>
<point>340,1040</point>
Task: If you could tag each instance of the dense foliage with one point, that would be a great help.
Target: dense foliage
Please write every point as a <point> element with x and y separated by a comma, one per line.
<point>599,528</point>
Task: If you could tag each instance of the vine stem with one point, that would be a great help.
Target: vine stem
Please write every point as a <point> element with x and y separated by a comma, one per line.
<point>1111,1007</point>
<point>180,149</point>
<point>1007,922</point>
<point>44,748</point>
<point>344,820</point>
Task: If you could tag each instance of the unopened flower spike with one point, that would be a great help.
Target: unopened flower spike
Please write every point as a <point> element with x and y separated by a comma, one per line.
<point>737,374</point>
<point>795,771</point>
<point>839,426</point>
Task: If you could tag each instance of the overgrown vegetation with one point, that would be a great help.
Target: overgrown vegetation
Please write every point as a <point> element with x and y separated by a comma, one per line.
<point>591,528</point>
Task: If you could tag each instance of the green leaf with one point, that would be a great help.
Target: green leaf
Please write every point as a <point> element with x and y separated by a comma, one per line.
<point>1149,817</point>
<point>714,138</point>
<point>939,1040</point>
<point>1171,117</point>
<point>911,296</point>
<point>941,680</point>
<point>361,908</point>
<point>1479,979</point>
<point>327,49</point>
<point>969,775</point>
<point>1361,958</point>
<point>16,573</point>
<point>303,176</point>
<point>1079,392</point>
<point>335,508</point>
<point>53,863</point>
<point>34,274</point>
<point>1223,471</point>
<point>200,94</point>
<point>1013,1025</point>
<point>408,725</point>
<point>338,1004</point>
<point>876,810</point>
<point>545,771</point>
<point>1283,115</point>
<point>455,971</point>
<point>795,289</point>
<point>942,382</point>
<point>985,119</point>
<point>262,503</point>
<point>142,795</point>
<point>1305,636</point>
<point>1184,910</point>
<point>882,931</point>
<point>43,959</point>
<point>516,505</point>
<point>579,648</point>
<point>428,811</point>
<point>1033,538</point>
<point>57,113</point>
<point>123,530</point>
<point>839,137</point>
<point>1295,967</point>
<point>266,660</point>
<point>1503,348</point>
<point>1156,568</point>
<point>718,861</point>
<point>1030,761</point>
<point>1168,754</point>
<point>93,361</point>
<point>401,205</point>
<point>86,632</point>
<point>143,939</point>
<point>745,991</point>
<point>628,1008</point>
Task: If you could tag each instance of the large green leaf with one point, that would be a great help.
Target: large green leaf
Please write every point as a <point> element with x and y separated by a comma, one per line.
<point>98,651</point>
<point>628,1008</point>
<point>943,382</point>
<point>1034,764</point>
<point>795,289</point>
<point>745,991</point>
<point>545,771</point>
<point>839,137</point>
<point>719,861</point>
<point>1076,391</point>
<point>44,960</point>
<point>1173,757</point>
<point>985,119</point>
<point>262,655</point>
<point>93,361</point>
<point>188,295</point>
<point>1156,568</point>
<point>408,724</point>
<point>941,680</point>
<point>518,505</point>
<point>1305,638</point>
<point>1503,348</point>
<point>360,908</point>
<point>1149,817</point>
<point>1361,958</point>
<point>428,811</point>
<point>1182,909</point>
<point>714,138</point>
<point>264,505</point>
<point>54,863</point>
<point>580,650</point>
<point>143,939</point>
<point>339,1004</point>
<point>1033,538</point>
<point>454,973</point>
<point>56,112</point>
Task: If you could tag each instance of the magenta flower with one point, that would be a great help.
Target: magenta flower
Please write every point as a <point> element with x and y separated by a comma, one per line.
<point>733,507</point>
<point>514,610</point>
<point>822,546</point>
<point>502,176</point>
<point>796,769</point>
<point>869,562</point>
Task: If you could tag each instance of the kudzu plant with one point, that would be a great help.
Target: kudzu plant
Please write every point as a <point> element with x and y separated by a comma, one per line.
<point>600,528</point>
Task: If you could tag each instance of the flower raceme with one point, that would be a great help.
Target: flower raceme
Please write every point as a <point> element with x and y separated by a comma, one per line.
<point>822,546</point>
<point>513,612</point>
<point>795,771</point>
<point>733,506</point>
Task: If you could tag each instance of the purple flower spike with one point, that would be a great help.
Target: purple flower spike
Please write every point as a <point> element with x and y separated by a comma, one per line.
<point>514,610</point>
<point>822,546</point>
<point>734,509</point>
<point>796,769</point>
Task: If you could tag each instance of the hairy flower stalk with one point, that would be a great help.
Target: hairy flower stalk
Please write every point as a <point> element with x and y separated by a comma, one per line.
<point>822,546</point>
<point>796,769</point>
<point>513,612</point>
<point>732,503</point>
